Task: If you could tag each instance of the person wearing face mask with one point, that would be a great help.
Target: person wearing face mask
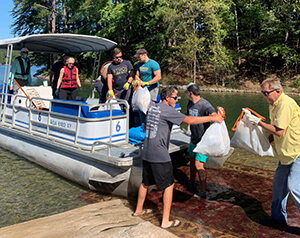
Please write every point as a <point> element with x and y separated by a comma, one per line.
<point>20,71</point>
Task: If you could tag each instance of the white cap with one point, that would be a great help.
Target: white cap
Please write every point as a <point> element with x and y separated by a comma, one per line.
<point>185,87</point>
<point>24,49</point>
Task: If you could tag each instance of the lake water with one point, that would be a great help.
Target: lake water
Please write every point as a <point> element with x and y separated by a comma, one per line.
<point>28,191</point>
<point>34,70</point>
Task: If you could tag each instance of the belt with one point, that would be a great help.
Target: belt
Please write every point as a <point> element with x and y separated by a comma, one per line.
<point>98,80</point>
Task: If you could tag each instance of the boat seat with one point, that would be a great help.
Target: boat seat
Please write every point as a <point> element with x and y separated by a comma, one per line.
<point>60,106</point>
<point>106,113</point>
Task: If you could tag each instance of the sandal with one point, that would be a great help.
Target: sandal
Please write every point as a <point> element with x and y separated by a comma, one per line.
<point>144,212</point>
<point>174,223</point>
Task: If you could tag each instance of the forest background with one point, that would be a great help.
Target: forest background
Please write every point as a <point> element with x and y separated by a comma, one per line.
<point>227,43</point>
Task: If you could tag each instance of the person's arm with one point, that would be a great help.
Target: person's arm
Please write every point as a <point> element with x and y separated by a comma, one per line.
<point>157,77</point>
<point>138,76</point>
<point>109,82</point>
<point>29,76</point>
<point>61,74</point>
<point>274,130</point>
<point>131,75</point>
<point>194,120</point>
<point>51,78</point>
<point>104,73</point>
<point>77,78</point>
<point>12,75</point>
<point>11,81</point>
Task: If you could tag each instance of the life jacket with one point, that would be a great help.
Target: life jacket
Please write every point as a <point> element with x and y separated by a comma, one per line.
<point>69,78</point>
<point>23,72</point>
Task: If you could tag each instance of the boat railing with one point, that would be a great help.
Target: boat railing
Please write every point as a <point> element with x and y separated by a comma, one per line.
<point>110,146</point>
<point>35,127</point>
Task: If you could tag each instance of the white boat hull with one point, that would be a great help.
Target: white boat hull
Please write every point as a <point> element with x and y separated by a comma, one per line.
<point>74,165</point>
<point>105,163</point>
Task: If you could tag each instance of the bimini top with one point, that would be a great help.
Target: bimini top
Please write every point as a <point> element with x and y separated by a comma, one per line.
<point>59,43</point>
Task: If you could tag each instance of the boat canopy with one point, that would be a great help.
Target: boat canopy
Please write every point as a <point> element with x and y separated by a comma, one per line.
<point>59,43</point>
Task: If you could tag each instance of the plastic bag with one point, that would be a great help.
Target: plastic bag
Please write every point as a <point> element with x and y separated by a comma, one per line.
<point>141,99</point>
<point>215,141</point>
<point>251,137</point>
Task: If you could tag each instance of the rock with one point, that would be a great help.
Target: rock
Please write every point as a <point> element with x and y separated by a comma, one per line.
<point>111,219</point>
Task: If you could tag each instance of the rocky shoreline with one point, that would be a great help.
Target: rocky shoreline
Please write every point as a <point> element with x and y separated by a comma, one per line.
<point>254,89</point>
<point>230,90</point>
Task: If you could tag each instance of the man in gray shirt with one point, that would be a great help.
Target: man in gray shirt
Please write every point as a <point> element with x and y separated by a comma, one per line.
<point>197,106</point>
<point>157,165</point>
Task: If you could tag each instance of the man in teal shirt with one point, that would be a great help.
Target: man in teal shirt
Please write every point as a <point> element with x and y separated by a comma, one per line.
<point>20,71</point>
<point>148,71</point>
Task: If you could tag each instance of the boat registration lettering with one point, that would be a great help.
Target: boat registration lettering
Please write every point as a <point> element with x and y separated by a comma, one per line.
<point>61,124</point>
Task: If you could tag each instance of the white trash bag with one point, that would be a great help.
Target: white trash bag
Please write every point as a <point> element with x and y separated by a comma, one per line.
<point>251,138</point>
<point>141,99</point>
<point>216,141</point>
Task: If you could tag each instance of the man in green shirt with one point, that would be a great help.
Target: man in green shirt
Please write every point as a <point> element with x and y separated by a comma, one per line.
<point>20,71</point>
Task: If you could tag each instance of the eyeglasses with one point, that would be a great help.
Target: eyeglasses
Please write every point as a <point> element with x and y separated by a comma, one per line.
<point>175,98</point>
<point>266,93</point>
<point>118,57</point>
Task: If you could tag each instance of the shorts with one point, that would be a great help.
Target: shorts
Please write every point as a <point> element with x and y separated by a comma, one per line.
<point>197,156</point>
<point>159,174</point>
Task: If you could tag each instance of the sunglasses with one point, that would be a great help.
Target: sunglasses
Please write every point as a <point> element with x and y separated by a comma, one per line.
<point>118,57</point>
<point>266,93</point>
<point>175,98</point>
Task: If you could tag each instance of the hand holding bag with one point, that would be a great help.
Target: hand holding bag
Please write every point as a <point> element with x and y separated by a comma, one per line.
<point>215,141</point>
<point>251,137</point>
<point>141,98</point>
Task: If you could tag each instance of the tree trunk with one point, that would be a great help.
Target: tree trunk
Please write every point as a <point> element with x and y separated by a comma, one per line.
<point>237,35</point>
<point>48,24</point>
<point>195,53</point>
<point>65,16</point>
<point>53,17</point>
<point>286,36</point>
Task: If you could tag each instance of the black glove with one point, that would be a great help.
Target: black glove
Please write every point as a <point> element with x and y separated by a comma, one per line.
<point>57,92</point>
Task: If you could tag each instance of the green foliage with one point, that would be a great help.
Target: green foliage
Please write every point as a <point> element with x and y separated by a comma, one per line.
<point>296,83</point>
<point>187,37</point>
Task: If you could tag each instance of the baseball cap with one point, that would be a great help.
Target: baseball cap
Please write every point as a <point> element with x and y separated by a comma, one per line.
<point>185,87</point>
<point>24,50</point>
<point>140,52</point>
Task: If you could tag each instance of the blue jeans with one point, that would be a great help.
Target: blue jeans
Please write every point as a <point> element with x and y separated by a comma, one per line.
<point>102,90</point>
<point>286,181</point>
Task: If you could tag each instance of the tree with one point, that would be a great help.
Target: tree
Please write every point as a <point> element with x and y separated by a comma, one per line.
<point>217,18</point>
